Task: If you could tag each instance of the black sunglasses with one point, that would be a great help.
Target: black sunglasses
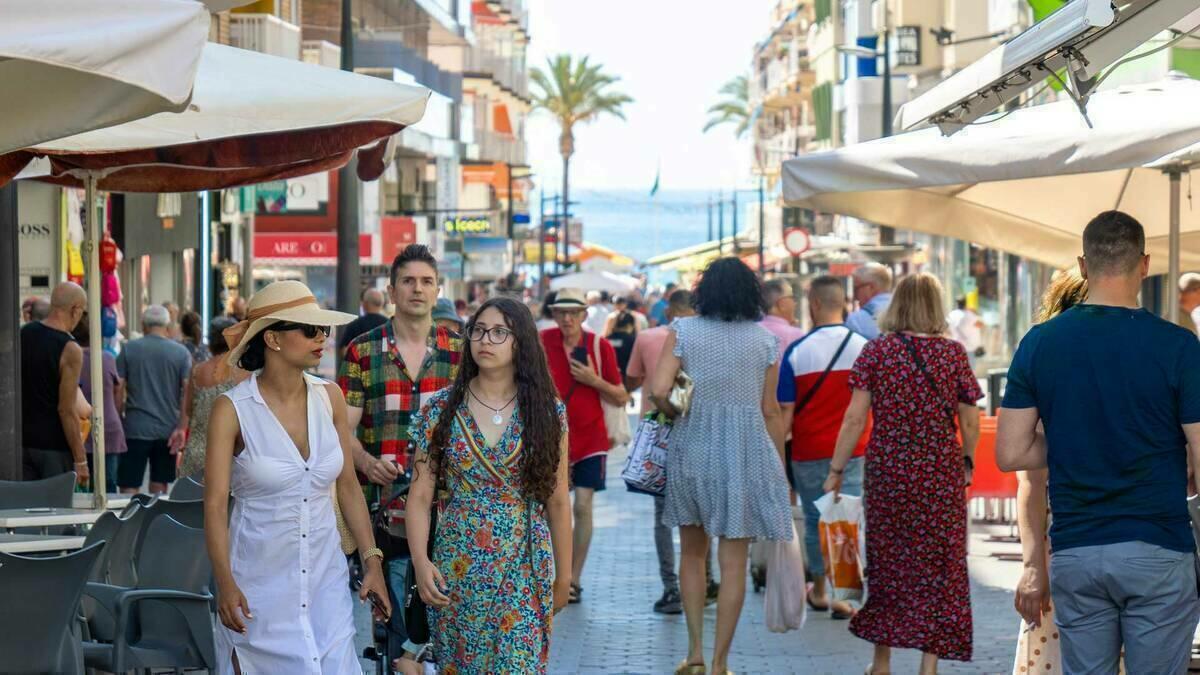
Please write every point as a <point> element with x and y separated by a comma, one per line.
<point>308,330</point>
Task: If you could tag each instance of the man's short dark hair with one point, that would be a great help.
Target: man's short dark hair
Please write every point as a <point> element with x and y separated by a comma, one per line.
<point>829,290</point>
<point>1113,244</point>
<point>679,301</point>
<point>412,253</point>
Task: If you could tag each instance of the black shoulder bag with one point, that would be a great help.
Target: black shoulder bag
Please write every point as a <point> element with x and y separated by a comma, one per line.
<point>808,396</point>
<point>920,363</point>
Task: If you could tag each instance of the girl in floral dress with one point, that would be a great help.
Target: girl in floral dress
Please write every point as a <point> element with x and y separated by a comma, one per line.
<point>493,446</point>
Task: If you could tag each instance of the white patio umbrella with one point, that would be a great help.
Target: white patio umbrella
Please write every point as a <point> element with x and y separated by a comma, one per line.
<point>1028,183</point>
<point>252,118</point>
<point>68,66</point>
<point>596,281</point>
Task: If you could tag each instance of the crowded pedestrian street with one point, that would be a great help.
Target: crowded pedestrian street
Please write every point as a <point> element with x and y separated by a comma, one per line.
<point>540,337</point>
<point>615,631</point>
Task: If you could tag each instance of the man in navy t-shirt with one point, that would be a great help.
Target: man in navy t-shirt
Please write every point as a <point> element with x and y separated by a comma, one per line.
<point>1117,391</point>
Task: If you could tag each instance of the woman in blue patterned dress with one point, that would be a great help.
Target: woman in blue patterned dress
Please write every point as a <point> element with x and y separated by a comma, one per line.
<point>493,446</point>
<point>725,475</point>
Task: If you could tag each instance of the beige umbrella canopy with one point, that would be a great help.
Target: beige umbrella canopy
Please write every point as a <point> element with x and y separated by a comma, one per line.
<point>1028,183</point>
<point>252,118</point>
<point>67,66</point>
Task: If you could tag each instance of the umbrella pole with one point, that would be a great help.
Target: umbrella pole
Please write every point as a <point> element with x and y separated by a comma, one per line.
<point>95,338</point>
<point>1173,249</point>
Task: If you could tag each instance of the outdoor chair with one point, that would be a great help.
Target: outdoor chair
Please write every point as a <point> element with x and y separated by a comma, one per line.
<point>188,488</point>
<point>164,621</point>
<point>55,492</point>
<point>114,566</point>
<point>38,627</point>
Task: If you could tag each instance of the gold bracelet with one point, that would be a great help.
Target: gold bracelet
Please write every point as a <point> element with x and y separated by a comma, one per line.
<point>375,552</point>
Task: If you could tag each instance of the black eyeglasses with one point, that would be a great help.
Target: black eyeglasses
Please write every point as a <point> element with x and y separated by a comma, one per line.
<point>308,330</point>
<point>497,335</point>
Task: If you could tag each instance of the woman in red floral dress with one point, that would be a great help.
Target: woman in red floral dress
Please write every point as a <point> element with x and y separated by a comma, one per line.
<point>917,384</point>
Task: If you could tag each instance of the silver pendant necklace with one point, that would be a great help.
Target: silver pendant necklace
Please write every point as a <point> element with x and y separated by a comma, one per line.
<point>497,418</point>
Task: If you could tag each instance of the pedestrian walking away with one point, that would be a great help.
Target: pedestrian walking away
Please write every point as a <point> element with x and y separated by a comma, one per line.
<point>642,363</point>
<point>114,395</point>
<point>208,381</point>
<point>51,362</point>
<point>725,475</point>
<point>278,443</point>
<point>585,373</point>
<point>873,293</point>
<point>1116,392</point>
<point>389,372</point>
<point>495,444</point>
<point>917,387</point>
<point>814,394</point>
<point>372,318</point>
<point>156,370</point>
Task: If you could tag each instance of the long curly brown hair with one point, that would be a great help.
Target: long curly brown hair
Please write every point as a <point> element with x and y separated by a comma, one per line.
<point>537,402</point>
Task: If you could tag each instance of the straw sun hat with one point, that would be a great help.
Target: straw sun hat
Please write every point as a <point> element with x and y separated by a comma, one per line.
<point>281,301</point>
<point>569,298</point>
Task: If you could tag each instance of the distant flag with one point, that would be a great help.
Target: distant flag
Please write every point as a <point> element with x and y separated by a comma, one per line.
<point>654,190</point>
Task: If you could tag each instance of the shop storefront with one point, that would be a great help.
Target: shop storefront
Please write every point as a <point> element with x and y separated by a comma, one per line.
<point>309,257</point>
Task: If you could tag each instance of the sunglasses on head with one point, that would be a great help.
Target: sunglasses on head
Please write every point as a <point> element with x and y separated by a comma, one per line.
<point>308,330</point>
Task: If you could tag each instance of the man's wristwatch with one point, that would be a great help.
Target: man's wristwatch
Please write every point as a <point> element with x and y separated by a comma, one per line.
<point>836,472</point>
<point>372,553</point>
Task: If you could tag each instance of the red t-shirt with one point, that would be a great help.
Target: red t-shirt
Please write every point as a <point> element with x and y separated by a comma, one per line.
<point>586,433</point>
<point>815,429</point>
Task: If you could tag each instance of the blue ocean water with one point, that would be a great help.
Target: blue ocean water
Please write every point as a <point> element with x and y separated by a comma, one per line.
<point>641,227</point>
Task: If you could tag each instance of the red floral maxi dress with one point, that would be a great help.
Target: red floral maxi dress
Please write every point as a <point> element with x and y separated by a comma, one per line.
<point>918,593</point>
<point>493,547</point>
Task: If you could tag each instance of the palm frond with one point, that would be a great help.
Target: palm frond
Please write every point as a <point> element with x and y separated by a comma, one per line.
<point>734,108</point>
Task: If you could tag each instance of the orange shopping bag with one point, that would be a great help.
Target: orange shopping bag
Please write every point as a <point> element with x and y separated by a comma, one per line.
<point>843,544</point>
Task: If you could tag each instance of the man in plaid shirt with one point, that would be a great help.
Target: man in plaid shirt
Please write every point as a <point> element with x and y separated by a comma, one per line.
<point>387,375</point>
<point>389,372</point>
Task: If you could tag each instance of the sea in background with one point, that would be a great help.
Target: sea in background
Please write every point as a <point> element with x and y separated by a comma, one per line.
<point>637,225</point>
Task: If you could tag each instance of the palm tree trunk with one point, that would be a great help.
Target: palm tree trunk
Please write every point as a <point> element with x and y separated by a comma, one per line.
<point>566,210</point>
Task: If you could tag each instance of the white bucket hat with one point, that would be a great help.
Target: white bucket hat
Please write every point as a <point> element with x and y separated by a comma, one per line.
<point>280,301</point>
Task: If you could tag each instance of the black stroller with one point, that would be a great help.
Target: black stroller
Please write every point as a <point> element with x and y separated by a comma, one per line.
<point>388,637</point>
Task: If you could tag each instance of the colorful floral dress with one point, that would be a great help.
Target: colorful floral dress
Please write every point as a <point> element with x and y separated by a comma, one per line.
<point>493,547</point>
<point>918,593</point>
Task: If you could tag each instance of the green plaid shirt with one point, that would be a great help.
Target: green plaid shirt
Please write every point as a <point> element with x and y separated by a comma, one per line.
<point>373,377</point>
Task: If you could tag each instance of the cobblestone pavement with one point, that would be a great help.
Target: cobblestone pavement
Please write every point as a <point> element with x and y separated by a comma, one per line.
<point>615,631</point>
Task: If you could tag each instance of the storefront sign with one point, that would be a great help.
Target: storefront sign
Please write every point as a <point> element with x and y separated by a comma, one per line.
<point>397,233</point>
<point>467,225</point>
<point>37,237</point>
<point>304,249</point>
<point>907,50</point>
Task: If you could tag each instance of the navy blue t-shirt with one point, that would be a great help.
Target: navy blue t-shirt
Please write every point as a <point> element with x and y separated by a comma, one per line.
<point>1112,386</point>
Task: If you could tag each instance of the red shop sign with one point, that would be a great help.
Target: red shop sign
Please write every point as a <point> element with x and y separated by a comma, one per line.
<point>397,233</point>
<point>318,248</point>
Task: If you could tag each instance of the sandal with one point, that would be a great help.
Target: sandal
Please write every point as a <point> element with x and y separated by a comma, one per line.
<point>812,605</point>
<point>685,668</point>
<point>576,595</point>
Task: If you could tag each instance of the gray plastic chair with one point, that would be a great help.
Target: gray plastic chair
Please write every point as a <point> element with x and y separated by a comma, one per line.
<point>54,491</point>
<point>164,621</point>
<point>98,622</point>
<point>187,489</point>
<point>121,555</point>
<point>38,627</point>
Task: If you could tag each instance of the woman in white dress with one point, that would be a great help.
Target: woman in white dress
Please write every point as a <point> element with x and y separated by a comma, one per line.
<point>278,443</point>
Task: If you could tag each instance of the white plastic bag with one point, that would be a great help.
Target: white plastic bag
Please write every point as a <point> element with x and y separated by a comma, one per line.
<point>842,532</point>
<point>646,466</point>
<point>786,588</point>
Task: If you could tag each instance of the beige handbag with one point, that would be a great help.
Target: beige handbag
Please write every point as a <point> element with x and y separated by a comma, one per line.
<point>348,544</point>
<point>681,394</point>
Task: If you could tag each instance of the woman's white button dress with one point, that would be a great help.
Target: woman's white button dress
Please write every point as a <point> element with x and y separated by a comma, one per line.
<point>284,546</point>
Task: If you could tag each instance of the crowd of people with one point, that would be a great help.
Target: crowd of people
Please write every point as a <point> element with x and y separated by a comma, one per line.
<point>492,431</point>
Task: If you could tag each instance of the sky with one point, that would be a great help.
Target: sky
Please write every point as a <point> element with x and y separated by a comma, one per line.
<point>672,57</point>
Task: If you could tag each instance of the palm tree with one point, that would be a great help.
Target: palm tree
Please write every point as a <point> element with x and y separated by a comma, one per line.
<point>575,92</point>
<point>734,109</point>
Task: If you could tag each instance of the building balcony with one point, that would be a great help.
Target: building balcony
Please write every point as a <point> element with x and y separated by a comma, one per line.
<point>513,11</point>
<point>321,53</point>
<point>378,49</point>
<point>772,150</point>
<point>497,147</point>
<point>507,71</point>
<point>265,33</point>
